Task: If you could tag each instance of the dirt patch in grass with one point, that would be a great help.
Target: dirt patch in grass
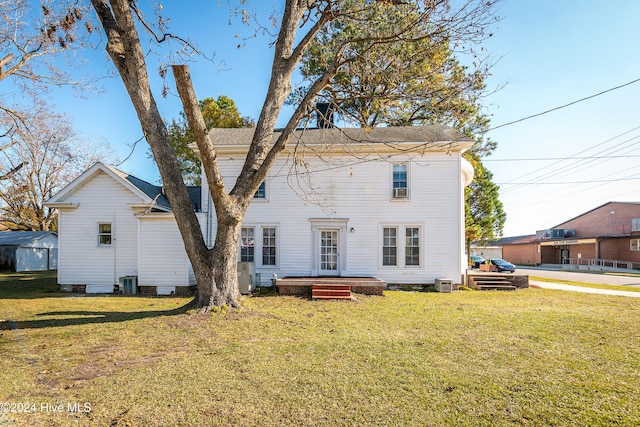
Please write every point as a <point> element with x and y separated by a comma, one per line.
<point>105,364</point>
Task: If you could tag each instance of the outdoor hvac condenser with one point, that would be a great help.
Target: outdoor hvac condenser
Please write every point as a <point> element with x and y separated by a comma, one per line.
<point>246,277</point>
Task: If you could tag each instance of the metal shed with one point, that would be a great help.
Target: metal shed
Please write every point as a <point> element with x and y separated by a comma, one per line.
<point>28,250</point>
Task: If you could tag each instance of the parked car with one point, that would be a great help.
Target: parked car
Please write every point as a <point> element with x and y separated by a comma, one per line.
<point>501,265</point>
<point>475,261</point>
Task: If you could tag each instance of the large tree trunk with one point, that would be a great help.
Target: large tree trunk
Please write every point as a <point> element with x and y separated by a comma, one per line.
<point>230,209</point>
<point>215,270</point>
<point>225,276</point>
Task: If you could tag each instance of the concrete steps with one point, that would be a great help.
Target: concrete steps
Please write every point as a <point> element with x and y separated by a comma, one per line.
<point>488,282</point>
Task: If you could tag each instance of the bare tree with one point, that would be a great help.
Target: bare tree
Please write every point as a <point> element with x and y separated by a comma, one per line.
<point>33,33</point>
<point>44,154</point>
<point>215,268</point>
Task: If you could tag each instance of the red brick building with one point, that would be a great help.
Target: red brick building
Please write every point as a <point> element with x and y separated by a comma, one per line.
<point>609,232</point>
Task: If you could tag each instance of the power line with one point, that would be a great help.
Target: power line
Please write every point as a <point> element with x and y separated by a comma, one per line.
<point>570,168</point>
<point>563,106</point>
<point>571,182</point>
<point>559,167</point>
<point>546,159</point>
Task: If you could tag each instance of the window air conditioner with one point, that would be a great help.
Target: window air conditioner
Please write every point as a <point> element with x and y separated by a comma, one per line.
<point>399,193</point>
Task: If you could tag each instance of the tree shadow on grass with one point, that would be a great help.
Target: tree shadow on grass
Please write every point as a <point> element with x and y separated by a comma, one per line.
<point>83,317</point>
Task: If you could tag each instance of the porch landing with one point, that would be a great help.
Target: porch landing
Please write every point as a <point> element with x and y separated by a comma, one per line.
<point>301,286</point>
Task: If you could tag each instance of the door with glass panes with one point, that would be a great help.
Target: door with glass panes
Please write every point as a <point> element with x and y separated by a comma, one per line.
<point>329,252</point>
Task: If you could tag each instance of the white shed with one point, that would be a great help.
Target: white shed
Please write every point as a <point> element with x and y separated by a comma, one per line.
<point>28,250</point>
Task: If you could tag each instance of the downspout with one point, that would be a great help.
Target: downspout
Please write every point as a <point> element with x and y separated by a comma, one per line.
<point>114,246</point>
<point>139,251</point>
<point>465,180</point>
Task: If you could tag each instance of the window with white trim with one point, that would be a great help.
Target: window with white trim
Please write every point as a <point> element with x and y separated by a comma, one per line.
<point>395,252</point>
<point>634,245</point>
<point>400,181</point>
<point>269,246</point>
<point>261,193</point>
<point>247,244</point>
<point>412,246</point>
<point>104,234</point>
<point>389,246</point>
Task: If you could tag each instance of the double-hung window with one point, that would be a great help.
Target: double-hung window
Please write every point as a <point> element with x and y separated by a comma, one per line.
<point>247,244</point>
<point>400,181</point>
<point>399,252</point>
<point>634,245</point>
<point>412,246</point>
<point>269,246</point>
<point>389,246</point>
<point>104,234</point>
<point>259,240</point>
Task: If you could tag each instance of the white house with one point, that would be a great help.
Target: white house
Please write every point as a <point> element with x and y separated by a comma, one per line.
<point>385,203</point>
<point>113,226</point>
<point>28,250</point>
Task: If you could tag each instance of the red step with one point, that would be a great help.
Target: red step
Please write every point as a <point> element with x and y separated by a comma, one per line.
<point>330,291</point>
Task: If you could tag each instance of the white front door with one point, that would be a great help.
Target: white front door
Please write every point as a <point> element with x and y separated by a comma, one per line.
<point>329,252</point>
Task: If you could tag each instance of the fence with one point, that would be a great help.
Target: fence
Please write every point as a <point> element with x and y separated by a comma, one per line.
<point>601,264</point>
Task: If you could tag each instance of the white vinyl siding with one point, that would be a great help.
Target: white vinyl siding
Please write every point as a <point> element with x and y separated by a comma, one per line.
<point>336,193</point>
<point>163,262</point>
<point>80,259</point>
<point>359,194</point>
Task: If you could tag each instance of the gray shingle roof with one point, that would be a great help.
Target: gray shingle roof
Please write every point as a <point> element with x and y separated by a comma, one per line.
<point>19,238</point>
<point>410,134</point>
<point>156,192</point>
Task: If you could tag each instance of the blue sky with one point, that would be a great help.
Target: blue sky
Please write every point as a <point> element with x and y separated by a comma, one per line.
<point>550,168</point>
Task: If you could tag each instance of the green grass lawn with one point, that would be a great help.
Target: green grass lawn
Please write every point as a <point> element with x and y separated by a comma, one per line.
<point>531,357</point>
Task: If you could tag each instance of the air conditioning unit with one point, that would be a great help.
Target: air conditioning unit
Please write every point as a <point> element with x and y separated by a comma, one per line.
<point>246,277</point>
<point>444,285</point>
<point>129,285</point>
<point>399,193</point>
